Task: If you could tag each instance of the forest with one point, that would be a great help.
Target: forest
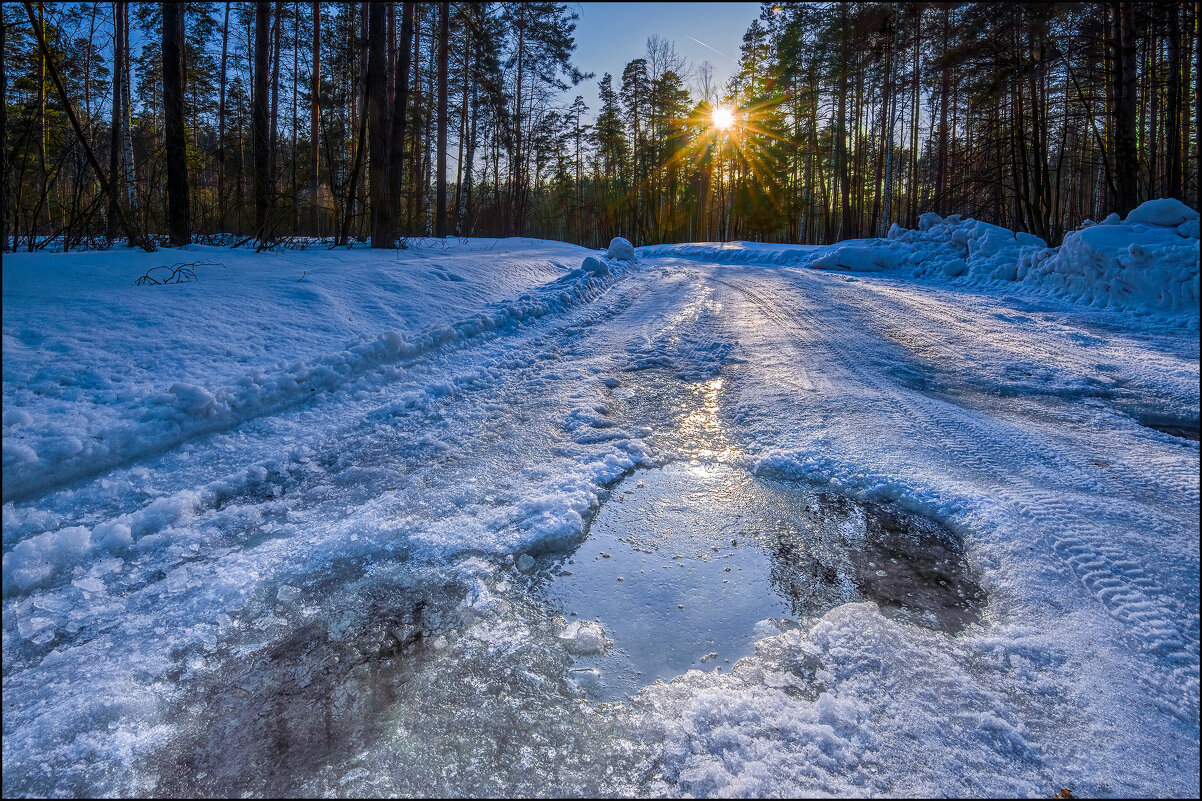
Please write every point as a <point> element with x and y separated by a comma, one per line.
<point>277,122</point>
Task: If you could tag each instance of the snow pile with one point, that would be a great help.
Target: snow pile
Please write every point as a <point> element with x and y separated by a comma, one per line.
<point>860,258</point>
<point>1148,262</point>
<point>98,388</point>
<point>620,248</point>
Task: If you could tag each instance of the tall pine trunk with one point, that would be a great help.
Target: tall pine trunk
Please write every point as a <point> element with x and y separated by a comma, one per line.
<point>175,134</point>
<point>444,36</point>
<point>944,91</point>
<point>221,204</point>
<point>378,124</point>
<point>1173,136</point>
<point>259,116</point>
<point>118,116</point>
<point>1126,153</point>
<point>400,109</point>
<point>315,123</point>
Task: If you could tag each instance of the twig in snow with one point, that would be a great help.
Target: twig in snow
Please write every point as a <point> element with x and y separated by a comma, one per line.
<point>180,273</point>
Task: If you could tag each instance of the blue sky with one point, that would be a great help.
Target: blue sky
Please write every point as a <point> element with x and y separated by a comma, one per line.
<point>610,34</point>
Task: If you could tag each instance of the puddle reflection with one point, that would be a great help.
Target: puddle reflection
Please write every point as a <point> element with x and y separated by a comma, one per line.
<point>688,565</point>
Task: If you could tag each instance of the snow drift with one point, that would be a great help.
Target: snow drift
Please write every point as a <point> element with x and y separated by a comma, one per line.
<point>49,443</point>
<point>1147,263</point>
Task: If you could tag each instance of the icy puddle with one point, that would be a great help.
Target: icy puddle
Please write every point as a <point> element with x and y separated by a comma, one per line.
<point>688,565</point>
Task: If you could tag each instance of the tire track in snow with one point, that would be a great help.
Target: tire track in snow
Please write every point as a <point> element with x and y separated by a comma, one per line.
<point>186,411</point>
<point>1128,591</point>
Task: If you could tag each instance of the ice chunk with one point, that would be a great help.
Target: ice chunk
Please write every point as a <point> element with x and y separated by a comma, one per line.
<point>1188,229</point>
<point>595,266</point>
<point>38,559</point>
<point>1165,211</point>
<point>927,220</point>
<point>583,638</point>
<point>286,594</point>
<point>620,248</point>
<point>525,562</point>
<point>89,584</point>
<point>30,626</point>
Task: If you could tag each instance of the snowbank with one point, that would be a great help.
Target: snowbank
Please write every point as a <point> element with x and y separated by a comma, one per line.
<point>96,370</point>
<point>1146,263</point>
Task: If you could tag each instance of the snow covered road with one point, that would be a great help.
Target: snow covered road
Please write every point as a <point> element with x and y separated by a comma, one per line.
<point>354,592</point>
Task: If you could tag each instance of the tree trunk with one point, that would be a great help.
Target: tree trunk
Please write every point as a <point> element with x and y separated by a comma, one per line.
<point>467,40</point>
<point>273,131</point>
<point>127,139</point>
<point>130,232</point>
<point>944,91</point>
<point>400,109</point>
<point>444,44</point>
<point>845,224</point>
<point>378,124</point>
<point>315,123</point>
<point>1173,135</point>
<point>259,115</point>
<point>913,217</point>
<point>175,133</point>
<point>293,122</point>
<point>349,206</point>
<point>1126,151</point>
<point>221,204</point>
<point>117,115</point>
<point>4,145</point>
<point>887,191</point>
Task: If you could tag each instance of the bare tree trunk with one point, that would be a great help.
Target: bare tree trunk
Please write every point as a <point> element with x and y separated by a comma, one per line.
<point>344,235</point>
<point>462,133</point>
<point>428,136</point>
<point>175,133</point>
<point>913,217</point>
<point>3,144</point>
<point>273,133</point>
<point>1126,151</point>
<point>400,111</point>
<point>117,112</point>
<point>133,236</point>
<point>221,205</point>
<point>295,200</point>
<point>127,113</point>
<point>840,131</point>
<point>944,91</point>
<point>259,117</point>
<point>315,122</point>
<point>470,159</point>
<point>444,44</point>
<point>1173,135</point>
<point>378,124</point>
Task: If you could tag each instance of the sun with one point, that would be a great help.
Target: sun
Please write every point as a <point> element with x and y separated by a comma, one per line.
<point>723,117</point>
